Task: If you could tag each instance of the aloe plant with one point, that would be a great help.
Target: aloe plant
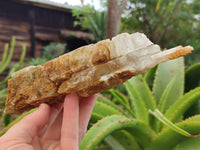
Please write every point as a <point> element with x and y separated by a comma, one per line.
<point>192,80</point>
<point>4,63</point>
<point>146,119</point>
<point>6,58</point>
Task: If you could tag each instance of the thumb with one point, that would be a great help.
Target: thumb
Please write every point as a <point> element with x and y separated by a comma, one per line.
<point>31,125</point>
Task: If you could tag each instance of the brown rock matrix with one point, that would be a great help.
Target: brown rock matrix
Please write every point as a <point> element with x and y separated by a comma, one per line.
<point>86,71</point>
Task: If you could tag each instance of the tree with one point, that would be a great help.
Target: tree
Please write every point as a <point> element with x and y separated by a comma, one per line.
<point>95,21</point>
<point>115,11</point>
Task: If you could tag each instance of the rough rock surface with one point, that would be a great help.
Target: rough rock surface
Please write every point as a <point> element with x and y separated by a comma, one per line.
<point>86,70</point>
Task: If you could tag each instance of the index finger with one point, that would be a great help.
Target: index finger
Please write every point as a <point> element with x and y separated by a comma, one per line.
<point>70,123</point>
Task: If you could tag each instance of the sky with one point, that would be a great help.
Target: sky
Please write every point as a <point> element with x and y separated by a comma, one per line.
<point>78,2</point>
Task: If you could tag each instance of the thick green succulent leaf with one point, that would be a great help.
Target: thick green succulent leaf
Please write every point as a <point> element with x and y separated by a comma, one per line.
<point>94,118</point>
<point>192,80</point>
<point>193,110</point>
<point>122,100</point>
<point>119,139</point>
<point>104,109</point>
<point>113,143</point>
<point>145,93</point>
<point>126,140</point>
<point>121,89</point>
<point>7,119</point>
<point>168,139</point>
<point>193,118</point>
<point>168,123</point>
<point>176,110</point>
<point>165,96</point>
<point>16,120</point>
<point>111,104</point>
<point>165,72</point>
<point>141,86</point>
<point>190,144</point>
<point>142,133</point>
<point>192,77</point>
<point>102,147</point>
<point>137,103</point>
<point>149,76</point>
<point>119,96</point>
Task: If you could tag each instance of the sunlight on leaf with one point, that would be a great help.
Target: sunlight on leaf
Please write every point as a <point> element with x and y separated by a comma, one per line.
<point>168,123</point>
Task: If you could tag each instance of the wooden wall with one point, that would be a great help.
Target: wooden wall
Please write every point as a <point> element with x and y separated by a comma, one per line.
<point>36,26</point>
<point>20,30</point>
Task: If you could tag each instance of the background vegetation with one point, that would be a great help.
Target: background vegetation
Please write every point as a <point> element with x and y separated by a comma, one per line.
<point>167,23</point>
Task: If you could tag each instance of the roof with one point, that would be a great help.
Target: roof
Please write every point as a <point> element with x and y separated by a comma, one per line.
<point>47,4</point>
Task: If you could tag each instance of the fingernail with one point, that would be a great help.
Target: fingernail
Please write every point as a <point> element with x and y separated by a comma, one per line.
<point>42,106</point>
<point>97,94</point>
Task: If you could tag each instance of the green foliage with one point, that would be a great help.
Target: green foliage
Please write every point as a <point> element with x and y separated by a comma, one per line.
<point>115,122</point>
<point>10,124</point>
<point>3,92</point>
<point>192,80</point>
<point>168,139</point>
<point>175,111</point>
<point>53,50</point>
<point>16,67</point>
<point>149,76</point>
<point>7,118</point>
<point>146,118</point>
<point>92,20</point>
<point>134,121</point>
<point>137,103</point>
<point>5,63</point>
<point>6,59</point>
<point>37,61</point>
<point>50,51</point>
<point>167,23</point>
<point>186,145</point>
<point>164,74</point>
<point>192,75</point>
<point>119,139</point>
<point>144,91</point>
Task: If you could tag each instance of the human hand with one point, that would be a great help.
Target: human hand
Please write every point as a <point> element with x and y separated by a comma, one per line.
<point>49,128</point>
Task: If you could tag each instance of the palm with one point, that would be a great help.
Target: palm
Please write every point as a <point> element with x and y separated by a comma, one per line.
<point>50,128</point>
<point>37,144</point>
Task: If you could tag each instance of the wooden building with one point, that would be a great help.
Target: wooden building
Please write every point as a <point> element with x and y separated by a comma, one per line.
<point>37,23</point>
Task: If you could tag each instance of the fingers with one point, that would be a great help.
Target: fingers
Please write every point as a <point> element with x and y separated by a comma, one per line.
<point>53,129</point>
<point>31,125</point>
<point>85,109</point>
<point>70,123</point>
<point>63,127</point>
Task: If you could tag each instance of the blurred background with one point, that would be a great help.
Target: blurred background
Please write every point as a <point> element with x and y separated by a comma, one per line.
<point>52,27</point>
